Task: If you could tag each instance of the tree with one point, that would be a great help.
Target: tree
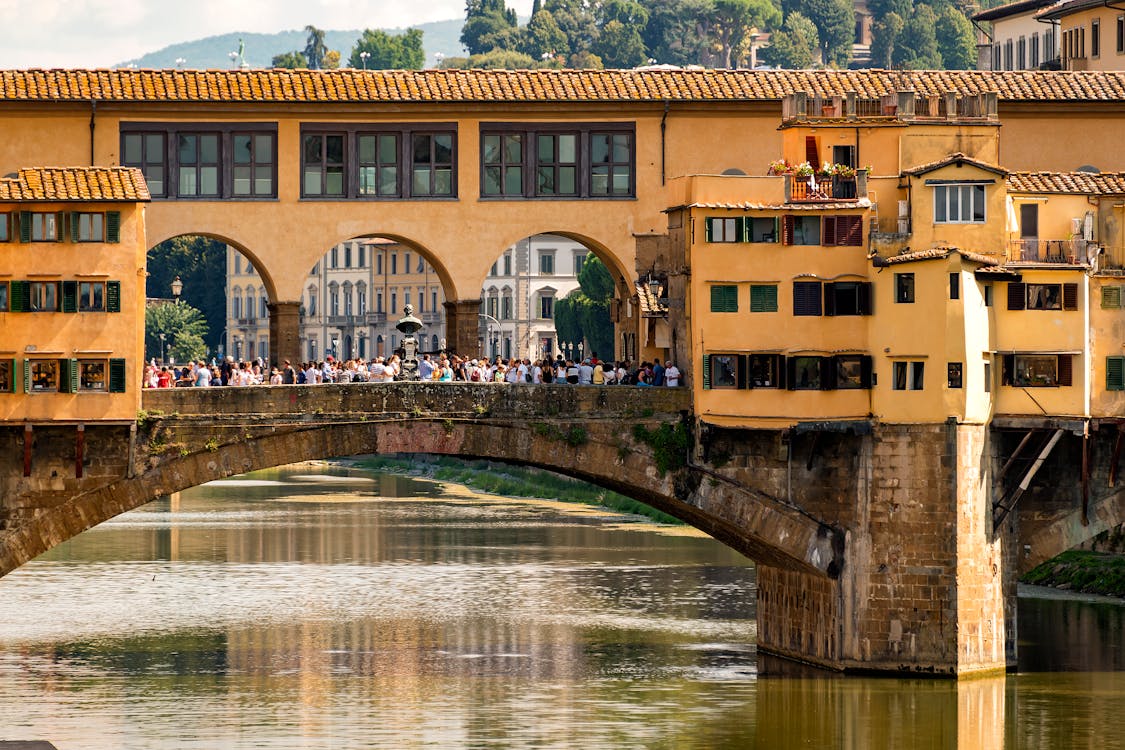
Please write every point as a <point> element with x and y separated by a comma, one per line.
<point>315,50</point>
<point>955,40</point>
<point>489,24</point>
<point>184,330</point>
<point>496,59</point>
<point>331,59</point>
<point>543,37</point>
<point>583,315</point>
<point>731,21</point>
<point>884,40</point>
<point>403,51</point>
<point>795,46</point>
<point>620,46</point>
<point>835,25</point>
<point>917,48</point>
<point>291,60</point>
<point>882,8</point>
<point>575,18</point>
<point>200,262</point>
<point>674,32</point>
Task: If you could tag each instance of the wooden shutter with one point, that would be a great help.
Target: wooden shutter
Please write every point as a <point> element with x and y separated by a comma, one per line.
<point>117,376</point>
<point>806,298</point>
<point>27,376</point>
<point>828,230</point>
<point>830,298</point>
<point>1115,373</point>
<point>25,226</point>
<point>68,376</point>
<point>865,369</point>
<point>706,372</point>
<point>829,369</point>
<point>849,231</point>
<point>112,226</point>
<point>1111,297</point>
<point>20,291</point>
<point>1009,368</point>
<point>954,286</point>
<point>724,298</point>
<point>865,298</point>
<point>763,298</point>
<point>1070,296</point>
<point>12,376</point>
<point>113,296</point>
<point>787,229</point>
<point>60,234</point>
<point>781,366</point>
<point>73,226</point>
<point>742,226</point>
<point>742,371</point>
<point>1066,369</point>
<point>70,296</point>
<point>790,372</point>
<point>708,231</point>
<point>1017,295</point>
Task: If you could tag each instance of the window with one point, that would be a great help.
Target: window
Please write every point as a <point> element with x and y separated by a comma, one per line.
<point>41,375</point>
<point>1037,370</point>
<point>5,227</point>
<point>503,158</point>
<point>611,164</point>
<point>988,377</point>
<point>431,165</point>
<point>378,165</point>
<point>847,298</point>
<point>844,155</point>
<point>763,298</point>
<point>333,300</point>
<point>87,227</point>
<point>362,262</point>
<point>800,230</point>
<point>347,256</point>
<point>805,373</point>
<point>954,286</point>
<point>724,298</point>
<point>1120,34</point>
<point>1023,296</point>
<point>505,307</point>
<point>953,374</point>
<point>394,264</point>
<point>546,263</point>
<point>1114,374</point>
<point>590,160</point>
<point>546,307</point>
<point>1033,50</point>
<point>91,296</point>
<point>146,151</point>
<point>379,263</point>
<point>904,287</point>
<point>843,231</point>
<point>724,370</point>
<point>765,370</point>
<point>197,164</point>
<point>1095,38</point>
<point>988,295</point>
<point>852,372</point>
<point>724,229</point>
<point>996,64</point>
<point>959,204</point>
<point>93,375</point>
<point>1008,54</point>
<point>361,301</point>
<point>1111,297</point>
<point>254,163</point>
<point>3,296</point>
<point>1021,54</point>
<point>7,376</point>
<point>40,227</point>
<point>312,303</point>
<point>237,264</point>
<point>394,302</point>
<point>264,305</point>
<point>807,298</point>
<point>43,296</point>
<point>334,257</point>
<point>323,165</point>
<point>507,264</point>
<point>908,376</point>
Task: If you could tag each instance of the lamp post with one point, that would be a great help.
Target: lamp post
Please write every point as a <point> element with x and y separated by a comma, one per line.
<point>177,289</point>
<point>180,62</point>
<point>492,342</point>
<point>363,58</point>
<point>233,56</point>
<point>161,335</point>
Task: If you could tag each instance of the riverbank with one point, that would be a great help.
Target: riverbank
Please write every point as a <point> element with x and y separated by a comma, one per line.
<point>1083,571</point>
<point>512,481</point>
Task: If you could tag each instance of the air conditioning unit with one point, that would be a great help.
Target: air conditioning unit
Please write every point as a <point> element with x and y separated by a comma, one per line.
<point>904,209</point>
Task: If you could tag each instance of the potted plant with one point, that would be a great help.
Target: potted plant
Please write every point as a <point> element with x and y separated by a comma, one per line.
<point>780,167</point>
<point>803,170</point>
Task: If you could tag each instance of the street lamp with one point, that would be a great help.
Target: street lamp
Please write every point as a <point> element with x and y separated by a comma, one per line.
<point>161,348</point>
<point>439,58</point>
<point>233,56</point>
<point>177,288</point>
<point>180,62</point>
<point>363,58</point>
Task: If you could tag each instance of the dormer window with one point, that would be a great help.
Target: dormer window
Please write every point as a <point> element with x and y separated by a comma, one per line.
<point>959,204</point>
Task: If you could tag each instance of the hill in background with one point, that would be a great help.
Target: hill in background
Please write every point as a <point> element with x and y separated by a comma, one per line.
<point>214,51</point>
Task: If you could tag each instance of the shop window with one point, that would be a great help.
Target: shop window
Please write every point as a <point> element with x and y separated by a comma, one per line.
<point>724,370</point>
<point>908,376</point>
<point>847,298</point>
<point>41,375</point>
<point>1037,370</point>
<point>93,375</point>
<point>7,375</point>
<point>766,370</point>
<point>1024,296</point>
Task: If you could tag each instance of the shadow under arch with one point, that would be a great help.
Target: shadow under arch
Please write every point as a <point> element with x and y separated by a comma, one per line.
<point>262,270</point>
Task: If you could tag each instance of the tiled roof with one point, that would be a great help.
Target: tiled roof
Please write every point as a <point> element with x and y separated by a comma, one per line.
<point>1065,8</point>
<point>649,303</point>
<point>293,86</point>
<point>1011,9</point>
<point>939,252</point>
<point>802,206</point>
<point>955,158</point>
<point>75,184</point>
<point>1084,183</point>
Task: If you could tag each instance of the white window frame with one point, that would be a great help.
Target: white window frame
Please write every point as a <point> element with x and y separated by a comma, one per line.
<point>964,197</point>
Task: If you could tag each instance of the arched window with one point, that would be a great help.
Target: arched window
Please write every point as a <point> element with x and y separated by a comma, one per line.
<point>434,344</point>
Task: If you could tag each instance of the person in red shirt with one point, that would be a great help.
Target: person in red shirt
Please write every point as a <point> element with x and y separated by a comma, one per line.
<point>164,378</point>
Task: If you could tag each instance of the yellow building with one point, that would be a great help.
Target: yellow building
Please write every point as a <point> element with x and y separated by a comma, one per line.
<point>72,274</point>
<point>1091,33</point>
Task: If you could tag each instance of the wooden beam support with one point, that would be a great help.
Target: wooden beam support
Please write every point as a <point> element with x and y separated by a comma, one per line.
<point>79,450</point>
<point>27,439</point>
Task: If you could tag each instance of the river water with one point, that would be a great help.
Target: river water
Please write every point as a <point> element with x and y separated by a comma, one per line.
<point>323,607</point>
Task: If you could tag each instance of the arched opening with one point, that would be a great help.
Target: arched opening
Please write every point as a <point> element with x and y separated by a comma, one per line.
<point>555,294</point>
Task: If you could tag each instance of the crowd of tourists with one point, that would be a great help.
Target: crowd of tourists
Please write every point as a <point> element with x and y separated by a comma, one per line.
<point>440,368</point>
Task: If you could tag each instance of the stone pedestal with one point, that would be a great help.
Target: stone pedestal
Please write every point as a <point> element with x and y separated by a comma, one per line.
<point>924,587</point>
<point>285,333</point>
<point>462,323</point>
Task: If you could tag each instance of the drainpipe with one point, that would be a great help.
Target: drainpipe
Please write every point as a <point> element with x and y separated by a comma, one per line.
<point>93,113</point>
<point>663,131</point>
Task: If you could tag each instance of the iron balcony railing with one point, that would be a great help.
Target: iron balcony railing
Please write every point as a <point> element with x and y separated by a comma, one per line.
<point>1036,250</point>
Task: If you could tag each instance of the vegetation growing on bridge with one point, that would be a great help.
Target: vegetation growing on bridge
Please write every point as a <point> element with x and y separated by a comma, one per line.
<point>671,445</point>
<point>513,481</point>
<point>1084,571</point>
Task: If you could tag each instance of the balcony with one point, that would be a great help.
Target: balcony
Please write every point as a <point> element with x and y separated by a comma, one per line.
<point>821,189</point>
<point>1067,252</point>
<point>430,317</point>
<point>904,106</point>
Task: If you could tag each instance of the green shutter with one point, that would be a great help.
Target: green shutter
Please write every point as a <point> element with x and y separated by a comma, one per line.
<point>70,296</point>
<point>11,376</point>
<point>19,291</point>
<point>706,372</point>
<point>113,296</point>
<point>117,376</point>
<point>763,298</point>
<point>60,234</point>
<point>25,226</point>
<point>724,298</point>
<point>1111,297</point>
<point>27,376</point>
<point>73,227</point>
<point>1115,373</point>
<point>707,229</point>
<point>112,226</point>
<point>68,376</point>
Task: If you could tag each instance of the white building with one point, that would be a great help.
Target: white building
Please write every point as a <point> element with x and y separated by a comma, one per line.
<point>1010,37</point>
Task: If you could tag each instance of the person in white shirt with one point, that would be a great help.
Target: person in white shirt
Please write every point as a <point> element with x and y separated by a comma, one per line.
<point>377,370</point>
<point>536,374</point>
<point>312,375</point>
<point>585,373</point>
<point>671,375</point>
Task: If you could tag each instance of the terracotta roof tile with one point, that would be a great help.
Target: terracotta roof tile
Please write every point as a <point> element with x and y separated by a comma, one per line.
<point>1083,183</point>
<point>649,303</point>
<point>941,252</point>
<point>955,158</point>
<point>802,206</point>
<point>75,184</point>
<point>541,85</point>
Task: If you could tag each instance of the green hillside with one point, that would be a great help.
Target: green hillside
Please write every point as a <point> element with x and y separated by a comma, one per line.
<point>214,51</point>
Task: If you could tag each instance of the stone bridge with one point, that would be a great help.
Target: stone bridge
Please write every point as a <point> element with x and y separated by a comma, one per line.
<point>879,547</point>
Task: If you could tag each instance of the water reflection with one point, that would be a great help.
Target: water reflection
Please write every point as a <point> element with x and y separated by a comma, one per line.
<point>296,610</point>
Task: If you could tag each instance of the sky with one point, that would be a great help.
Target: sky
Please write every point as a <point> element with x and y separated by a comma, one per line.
<point>101,33</point>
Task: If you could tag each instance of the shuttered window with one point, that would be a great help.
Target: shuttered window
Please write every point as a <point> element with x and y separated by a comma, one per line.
<point>807,298</point>
<point>1115,373</point>
<point>70,296</point>
<point>7,375</point>
<point>1070,296</point>
<point>842,231</point>
<point>1017,295</point>
<point>706,373</point>
<point>21,293</point>
<point>724,298</point>
<point>1111,297</point>
<point>763,298</point>
<point>5,227</point>
<point>725,229</point>
<point>1066,369</point>
<point>117,376</point>
<point>113,296</point>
